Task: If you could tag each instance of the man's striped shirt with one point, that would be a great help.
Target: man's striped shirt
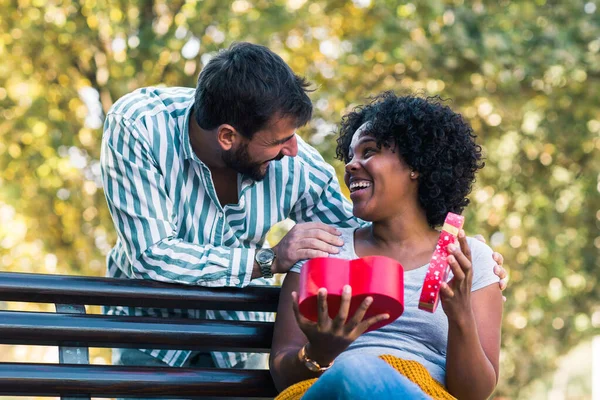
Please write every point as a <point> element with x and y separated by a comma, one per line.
<point>170,224</point>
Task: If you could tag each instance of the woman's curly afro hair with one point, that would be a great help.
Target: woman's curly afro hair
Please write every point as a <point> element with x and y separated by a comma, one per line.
<point>432,139</point>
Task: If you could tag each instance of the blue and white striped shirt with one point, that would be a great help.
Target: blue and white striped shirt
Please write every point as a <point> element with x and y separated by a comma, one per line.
<point>170,224</point>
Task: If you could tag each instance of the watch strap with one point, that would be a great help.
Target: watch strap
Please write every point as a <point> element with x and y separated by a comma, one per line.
<point>265,270</point>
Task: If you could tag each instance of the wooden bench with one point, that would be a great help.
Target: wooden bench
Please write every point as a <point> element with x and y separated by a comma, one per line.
<point>73,332</point>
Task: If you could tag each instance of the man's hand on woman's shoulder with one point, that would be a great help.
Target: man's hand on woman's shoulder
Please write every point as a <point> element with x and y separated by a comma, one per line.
<point>498,268</point>
<point>304,241</point>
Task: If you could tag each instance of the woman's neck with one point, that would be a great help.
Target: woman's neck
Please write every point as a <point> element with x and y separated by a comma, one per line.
<point>407,238</point>
<point>400,231</point>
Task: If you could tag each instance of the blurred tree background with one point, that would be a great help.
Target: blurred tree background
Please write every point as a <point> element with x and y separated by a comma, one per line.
<point>525,73</point>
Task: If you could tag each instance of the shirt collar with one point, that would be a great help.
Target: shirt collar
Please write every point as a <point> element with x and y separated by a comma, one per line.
<point>184,128</point>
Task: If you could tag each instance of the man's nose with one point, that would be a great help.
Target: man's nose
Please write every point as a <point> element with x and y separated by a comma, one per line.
<point>290,148</point>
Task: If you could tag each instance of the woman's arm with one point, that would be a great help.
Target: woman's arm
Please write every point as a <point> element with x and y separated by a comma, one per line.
<point>325,339</point>
<point>288,339</point>
<point>473,352</point>
<point>474,322</point>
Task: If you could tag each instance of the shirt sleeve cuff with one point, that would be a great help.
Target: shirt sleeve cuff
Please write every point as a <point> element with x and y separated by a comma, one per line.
<point>480,284</point>
<point>298,266</point>
<point>242,264</point>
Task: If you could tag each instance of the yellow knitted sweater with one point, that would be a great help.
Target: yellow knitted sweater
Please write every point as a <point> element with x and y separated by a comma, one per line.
<point>411,369</point>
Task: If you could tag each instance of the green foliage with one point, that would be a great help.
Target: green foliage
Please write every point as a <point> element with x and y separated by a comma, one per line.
<point>526,75</point>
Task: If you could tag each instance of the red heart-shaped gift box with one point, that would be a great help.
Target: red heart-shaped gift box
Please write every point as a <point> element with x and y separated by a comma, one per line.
<point>377,276</point>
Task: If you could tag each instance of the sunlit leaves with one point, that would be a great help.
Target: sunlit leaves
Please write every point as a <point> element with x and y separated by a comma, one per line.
<point>525,74</point>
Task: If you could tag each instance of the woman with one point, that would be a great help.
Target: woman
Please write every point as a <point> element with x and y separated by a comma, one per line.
<point>409,161</point>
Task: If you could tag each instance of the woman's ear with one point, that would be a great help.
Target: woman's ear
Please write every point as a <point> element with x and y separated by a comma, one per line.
<point>414,174</point>
<point>227,136</point>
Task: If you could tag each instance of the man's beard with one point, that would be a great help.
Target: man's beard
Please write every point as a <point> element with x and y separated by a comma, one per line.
<point>240,161</point>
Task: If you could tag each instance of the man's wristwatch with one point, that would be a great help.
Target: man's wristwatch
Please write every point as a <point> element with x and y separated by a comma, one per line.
<point>311,364</point>
<point>264,258</point>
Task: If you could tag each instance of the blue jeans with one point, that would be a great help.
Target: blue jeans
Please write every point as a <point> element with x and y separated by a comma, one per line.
<point>363,377</point>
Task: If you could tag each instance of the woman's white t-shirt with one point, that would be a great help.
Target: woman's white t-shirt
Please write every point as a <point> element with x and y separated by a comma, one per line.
<point>417,335</point>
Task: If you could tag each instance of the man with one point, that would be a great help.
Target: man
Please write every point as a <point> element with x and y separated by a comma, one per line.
<point>195,179</point>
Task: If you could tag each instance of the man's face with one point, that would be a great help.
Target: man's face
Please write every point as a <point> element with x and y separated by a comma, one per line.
<point>239,160</point>
<point>252,157</point>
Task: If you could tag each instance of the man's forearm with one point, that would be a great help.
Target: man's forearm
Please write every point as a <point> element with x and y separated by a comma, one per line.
<point>176,261</point>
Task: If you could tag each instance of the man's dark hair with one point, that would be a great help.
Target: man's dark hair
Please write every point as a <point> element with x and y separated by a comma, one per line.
<point>432,139</point>
<point>246,86</point>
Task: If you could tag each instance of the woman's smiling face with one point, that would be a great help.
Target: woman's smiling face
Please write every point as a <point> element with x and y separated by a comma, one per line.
<point>379,180</point>
<point>426,160</point>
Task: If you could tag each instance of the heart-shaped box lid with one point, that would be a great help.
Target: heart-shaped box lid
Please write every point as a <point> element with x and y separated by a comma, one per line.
<point>377,276</point>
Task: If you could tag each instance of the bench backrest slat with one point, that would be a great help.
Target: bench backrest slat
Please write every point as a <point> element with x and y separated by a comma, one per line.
<point>39,288</point>
<point>56,380</point>
<point>50,329</point>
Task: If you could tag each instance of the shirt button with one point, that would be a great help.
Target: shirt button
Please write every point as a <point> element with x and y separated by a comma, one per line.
<point>220,214</point>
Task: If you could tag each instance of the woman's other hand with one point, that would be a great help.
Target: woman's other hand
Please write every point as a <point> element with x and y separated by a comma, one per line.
<point>456,294</point>
<point>329,337</point>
